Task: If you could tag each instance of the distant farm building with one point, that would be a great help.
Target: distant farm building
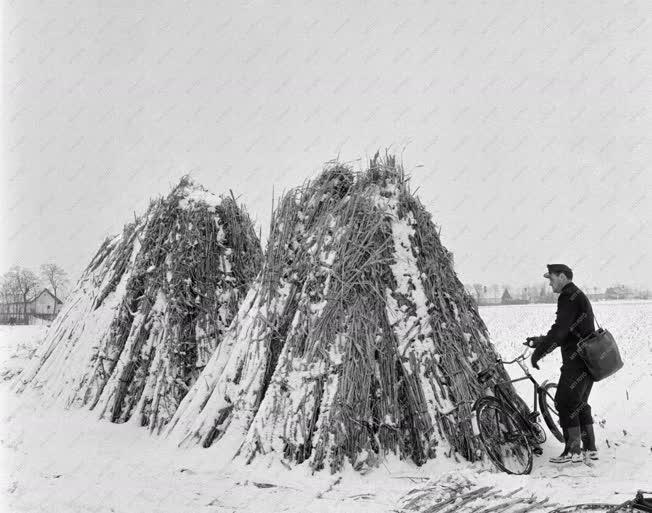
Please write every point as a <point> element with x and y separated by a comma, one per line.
<point>44,306</point>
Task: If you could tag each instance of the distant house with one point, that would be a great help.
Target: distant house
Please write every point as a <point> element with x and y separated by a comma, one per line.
<point>619,292</point>
<point>45,303</point>
<point>44,306</point>
<point>491,296</point>
<point>483,295</point>
<point>507,299</point>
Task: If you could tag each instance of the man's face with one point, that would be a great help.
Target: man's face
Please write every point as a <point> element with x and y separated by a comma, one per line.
<point>556,281</point>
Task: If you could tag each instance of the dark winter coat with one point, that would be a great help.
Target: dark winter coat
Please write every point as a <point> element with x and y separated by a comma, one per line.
<point>574,321</point>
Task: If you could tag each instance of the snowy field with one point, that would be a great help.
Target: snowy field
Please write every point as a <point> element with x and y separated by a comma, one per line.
<point>60,461</point>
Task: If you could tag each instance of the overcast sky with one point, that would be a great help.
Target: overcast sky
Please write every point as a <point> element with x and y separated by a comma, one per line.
<point>526,125</point>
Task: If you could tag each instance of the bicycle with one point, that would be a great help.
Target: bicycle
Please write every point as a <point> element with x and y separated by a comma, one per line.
<point>510,438</point>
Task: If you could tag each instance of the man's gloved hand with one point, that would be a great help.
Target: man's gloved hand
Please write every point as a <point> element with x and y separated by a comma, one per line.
<point>533,341</point>
<point>533,362</point>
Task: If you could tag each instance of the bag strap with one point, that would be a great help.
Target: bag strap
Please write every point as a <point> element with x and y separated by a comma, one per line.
<point>595,318</point>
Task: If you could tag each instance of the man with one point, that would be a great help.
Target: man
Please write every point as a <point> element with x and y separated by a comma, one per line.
<point>574,321</point>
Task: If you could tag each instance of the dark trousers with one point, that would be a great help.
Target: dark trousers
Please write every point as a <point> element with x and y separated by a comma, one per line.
<point>571,399</point>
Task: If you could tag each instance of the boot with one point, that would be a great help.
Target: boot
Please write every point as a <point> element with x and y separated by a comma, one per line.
<point>572,452</point>
<point>563,454</point>
<point>588,442</point>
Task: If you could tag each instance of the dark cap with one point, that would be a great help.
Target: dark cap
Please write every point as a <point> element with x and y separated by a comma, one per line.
<point>558,268</point>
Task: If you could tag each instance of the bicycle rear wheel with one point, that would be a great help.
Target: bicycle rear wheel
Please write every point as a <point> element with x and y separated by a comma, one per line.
<point>502,436</point>
<point>549,411</point>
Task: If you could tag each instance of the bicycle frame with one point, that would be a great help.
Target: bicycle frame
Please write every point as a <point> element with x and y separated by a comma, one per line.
<point>498,393</point>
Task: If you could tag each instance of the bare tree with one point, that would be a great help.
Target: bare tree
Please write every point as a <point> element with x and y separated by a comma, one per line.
<point>8,292</point>
<point>478,290</point>
<point>495,289</point>
<point>22,282</point>
<point>55,276</point>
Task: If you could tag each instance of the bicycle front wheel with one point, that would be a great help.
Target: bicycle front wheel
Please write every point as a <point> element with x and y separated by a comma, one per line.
<point>500,432</point>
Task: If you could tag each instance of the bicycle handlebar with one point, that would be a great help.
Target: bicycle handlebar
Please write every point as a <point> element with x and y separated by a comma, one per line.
<point>485,373</point>
<point>520,357</point>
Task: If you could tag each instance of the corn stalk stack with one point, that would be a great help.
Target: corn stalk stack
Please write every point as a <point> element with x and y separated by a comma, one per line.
<point>150,309</point>
<point>356,340</point>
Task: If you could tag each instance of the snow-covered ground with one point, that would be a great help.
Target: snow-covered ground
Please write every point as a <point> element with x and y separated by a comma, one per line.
<point>66,461</point>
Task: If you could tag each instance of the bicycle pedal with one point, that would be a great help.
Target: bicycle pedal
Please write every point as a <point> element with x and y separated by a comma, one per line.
<point>538,451</point>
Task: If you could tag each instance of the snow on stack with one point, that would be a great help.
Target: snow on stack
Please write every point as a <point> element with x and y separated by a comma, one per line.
<point>356,340</point>
<point>149,309</point>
